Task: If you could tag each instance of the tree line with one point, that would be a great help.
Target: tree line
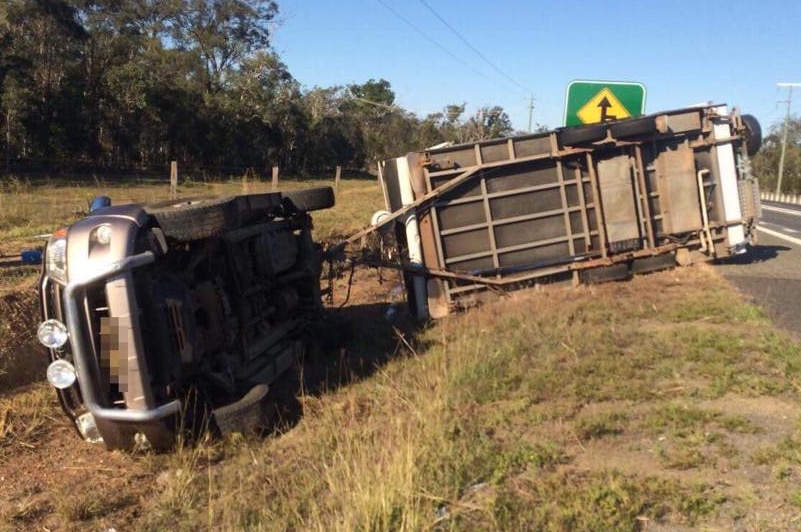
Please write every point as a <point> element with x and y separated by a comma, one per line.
<point>765,164</point>
<point>138,83</point>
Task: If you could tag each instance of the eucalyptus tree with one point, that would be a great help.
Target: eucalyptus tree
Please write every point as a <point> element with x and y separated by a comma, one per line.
<point>41,43</point>
<point>766,161</point>
<point>222,33</point>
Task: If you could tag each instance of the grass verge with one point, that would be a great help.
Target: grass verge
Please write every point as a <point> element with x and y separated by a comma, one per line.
<point>588,408</point>
<point>663,401</point>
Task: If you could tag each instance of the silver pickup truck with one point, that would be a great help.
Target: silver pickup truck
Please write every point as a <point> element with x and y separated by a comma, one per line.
<point>170,318</point>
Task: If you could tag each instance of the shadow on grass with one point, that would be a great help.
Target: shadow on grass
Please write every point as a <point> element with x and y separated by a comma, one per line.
<point>359,340</point>
<point>756,254</point>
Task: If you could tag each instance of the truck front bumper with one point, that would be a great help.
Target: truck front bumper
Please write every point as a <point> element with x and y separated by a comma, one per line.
<point>117,425</point>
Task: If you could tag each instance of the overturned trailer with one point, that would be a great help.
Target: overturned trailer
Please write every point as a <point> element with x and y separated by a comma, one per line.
<point>582,204</point>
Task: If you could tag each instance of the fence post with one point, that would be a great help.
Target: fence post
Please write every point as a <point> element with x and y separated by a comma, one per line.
<point>336,178</point>
<point>249,172</point>
<point>173,179</point>
<point>275,178</point>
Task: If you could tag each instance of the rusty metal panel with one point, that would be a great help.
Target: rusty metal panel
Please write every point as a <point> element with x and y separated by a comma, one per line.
<point>685,122</point>
<point>678,186</point>
<point>471,187</point>
<point>462,156</point>
<point>507,212</point>
<point>465,243</point>
<point>510,206</point>
<point>617,196</point>
<point>530,146</point>
<point>522,175</point>
<point>456,215</point>
<point>495,151</point>
<point>749,199</point>
<point>518,215</point>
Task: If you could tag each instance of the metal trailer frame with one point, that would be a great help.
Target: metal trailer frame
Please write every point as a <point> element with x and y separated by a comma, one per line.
<point>580,204</point>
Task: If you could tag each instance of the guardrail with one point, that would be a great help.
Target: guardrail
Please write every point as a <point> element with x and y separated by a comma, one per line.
<point>795,199</point>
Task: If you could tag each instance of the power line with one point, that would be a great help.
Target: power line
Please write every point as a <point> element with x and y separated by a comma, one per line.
<point>476,50</point>
<point>435,42</point>
<point>789,103</point>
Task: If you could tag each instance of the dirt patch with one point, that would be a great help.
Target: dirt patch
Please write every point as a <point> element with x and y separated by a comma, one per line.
<point>52,481</point>
<point>22,359</point>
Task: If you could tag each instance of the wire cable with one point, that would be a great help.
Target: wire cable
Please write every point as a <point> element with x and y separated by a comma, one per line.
<point>476,50</point>
<point>436,43</point>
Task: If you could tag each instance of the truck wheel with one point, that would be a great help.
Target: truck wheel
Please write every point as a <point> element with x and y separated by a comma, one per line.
<point>753,134</point>
<point>605,274</point>
<point>310,199</point>
<point>194,218</point>
<point>581,135</point>
<point>634,127</point>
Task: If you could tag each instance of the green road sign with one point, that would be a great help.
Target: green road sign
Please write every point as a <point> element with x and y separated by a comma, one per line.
<point>591,102</point>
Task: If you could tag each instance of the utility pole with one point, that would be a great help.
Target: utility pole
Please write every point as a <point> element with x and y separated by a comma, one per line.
<point>530,112</point>
<point>789,102</point>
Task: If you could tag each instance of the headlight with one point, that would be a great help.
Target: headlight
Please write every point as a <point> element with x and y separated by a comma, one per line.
<point>102,234</point>
<point>61,374</point>
<point>52,334</point>
<point>56,266</point>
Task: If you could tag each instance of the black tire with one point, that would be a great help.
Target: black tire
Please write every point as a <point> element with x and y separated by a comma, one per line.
<point>573,136</point>
<point>310,199</point>
<point>634,127</point>
<point>605,274</point>
<point>194,218</point>
<point>753,134</point>
<point>653,264</point>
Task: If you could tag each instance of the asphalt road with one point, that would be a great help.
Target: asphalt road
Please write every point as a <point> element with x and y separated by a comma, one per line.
<point>770,273</point>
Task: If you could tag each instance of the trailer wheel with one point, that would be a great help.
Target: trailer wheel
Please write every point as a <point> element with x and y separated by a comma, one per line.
<point>572,136</point>
<point>634,127</point>
<point>753,134</point>
<point>605,274</point>
<point>194,218</point>
<point>310,199</point>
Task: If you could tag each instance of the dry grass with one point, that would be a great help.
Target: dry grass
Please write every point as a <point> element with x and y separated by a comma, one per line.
<point>30,208</point>
<point>499,418</point>
<point>664,401</point>
<point>21,359</point>
<point>25,418</point>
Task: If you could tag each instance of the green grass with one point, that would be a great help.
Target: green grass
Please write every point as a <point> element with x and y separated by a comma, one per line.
<point>481,427</point>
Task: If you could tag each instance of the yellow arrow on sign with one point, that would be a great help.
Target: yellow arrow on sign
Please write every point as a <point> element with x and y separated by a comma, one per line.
<point>602,107</point>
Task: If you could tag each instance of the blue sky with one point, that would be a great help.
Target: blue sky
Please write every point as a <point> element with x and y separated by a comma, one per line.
<point>684,52</point>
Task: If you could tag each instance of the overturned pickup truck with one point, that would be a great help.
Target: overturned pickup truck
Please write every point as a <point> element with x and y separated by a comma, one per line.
<point>162,319</point>
<point>582,204</point>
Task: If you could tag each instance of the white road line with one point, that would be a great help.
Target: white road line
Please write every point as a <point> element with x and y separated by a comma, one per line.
<point>777,234</point>
<point>782,210</point>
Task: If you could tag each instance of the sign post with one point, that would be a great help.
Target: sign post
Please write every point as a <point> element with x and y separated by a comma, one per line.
<point>593,102</point>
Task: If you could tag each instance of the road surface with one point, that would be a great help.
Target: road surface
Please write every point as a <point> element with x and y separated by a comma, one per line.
<point>771,272</point>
